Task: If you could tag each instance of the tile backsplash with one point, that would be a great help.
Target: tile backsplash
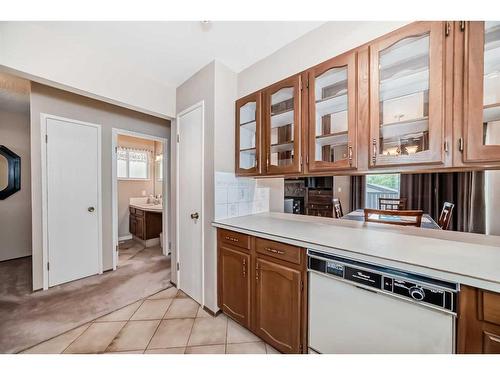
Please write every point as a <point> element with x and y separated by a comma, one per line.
<point>238,196</point>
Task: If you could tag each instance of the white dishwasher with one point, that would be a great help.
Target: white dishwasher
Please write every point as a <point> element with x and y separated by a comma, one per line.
<point>358,307</point>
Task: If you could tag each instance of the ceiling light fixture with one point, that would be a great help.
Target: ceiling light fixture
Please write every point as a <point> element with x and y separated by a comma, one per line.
<point>206,25</point>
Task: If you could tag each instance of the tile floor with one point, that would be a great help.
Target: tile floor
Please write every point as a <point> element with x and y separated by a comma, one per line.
<point>168,322</point>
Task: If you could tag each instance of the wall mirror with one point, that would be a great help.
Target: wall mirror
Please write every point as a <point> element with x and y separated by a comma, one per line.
<point>10,172</point>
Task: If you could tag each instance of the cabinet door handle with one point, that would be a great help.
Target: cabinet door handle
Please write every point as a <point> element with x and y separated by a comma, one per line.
<point>350,154</point>
<point>231,239</point>
<point>257,272</point>
<point>244,268</point>
<point>374,151</point>
<point>275,251</point>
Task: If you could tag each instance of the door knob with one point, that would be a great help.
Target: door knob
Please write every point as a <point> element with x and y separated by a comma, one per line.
<point>91,209</point>
<point>195,215</point>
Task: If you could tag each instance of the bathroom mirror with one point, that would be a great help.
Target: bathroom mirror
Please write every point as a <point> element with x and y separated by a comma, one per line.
<point>10,172</point>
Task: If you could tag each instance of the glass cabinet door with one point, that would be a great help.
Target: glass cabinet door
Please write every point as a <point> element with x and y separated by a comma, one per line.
<point>332,115</point>
<point>282,126</point>
<point>406,96</point>
<point>483,92</point>
<point>248,135</point>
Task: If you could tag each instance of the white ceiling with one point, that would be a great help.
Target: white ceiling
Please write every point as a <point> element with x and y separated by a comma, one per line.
<point>172,51</point>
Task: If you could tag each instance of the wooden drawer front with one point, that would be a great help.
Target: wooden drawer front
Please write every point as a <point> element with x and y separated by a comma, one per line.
<point>491,343</point>
<point>491,307</point>
<point>235,238</point>
<point>139,212</point>
<point>278,250</point>
<point>324,199</point>
<point>315,206</point>
<point>322,193</point>
<point>132,210</point>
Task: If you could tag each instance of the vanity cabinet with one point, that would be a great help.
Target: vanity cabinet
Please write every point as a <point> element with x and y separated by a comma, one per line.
<point>478,321</point>
<point>282,126</point>
<point>332,115</point>
<point>145,225</point>
<point>262,286</point>
<point>407,96</point>
<point>248,135</point>
<point>482,91</point>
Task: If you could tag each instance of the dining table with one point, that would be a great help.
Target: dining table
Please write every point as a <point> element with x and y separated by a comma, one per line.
<point>359,215</point>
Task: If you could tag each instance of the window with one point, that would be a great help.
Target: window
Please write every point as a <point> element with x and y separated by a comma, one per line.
<point>381,186</point>
<point>159,167</point>
<point>132,164</point>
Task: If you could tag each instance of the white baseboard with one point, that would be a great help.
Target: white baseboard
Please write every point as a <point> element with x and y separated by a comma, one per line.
<point>125,238</point>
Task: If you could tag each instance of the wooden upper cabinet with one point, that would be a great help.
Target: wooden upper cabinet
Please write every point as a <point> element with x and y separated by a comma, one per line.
<point>332,114</point>
<point>248,135</point>
<point>282,126</point>
<point>407,96</point>
<point>482,91</point>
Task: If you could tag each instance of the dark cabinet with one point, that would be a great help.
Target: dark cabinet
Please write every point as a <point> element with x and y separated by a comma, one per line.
<point>145,225</point>
<point>234,291</point>
<point>278,305</point>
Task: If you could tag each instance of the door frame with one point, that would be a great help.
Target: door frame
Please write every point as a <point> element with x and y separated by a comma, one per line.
<point>177,149</point>
<point>114,187</point>
<point>45,230</point>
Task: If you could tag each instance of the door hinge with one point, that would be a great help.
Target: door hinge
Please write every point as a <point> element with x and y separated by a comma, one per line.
<point>460,144</point>
<point>307,159</point>
<point>301,85</point>
<point>46,138</point>
<point>307,83</point>
<point>301,286</point>
<point>116,149</point>
<point>445,146</point>
<point>301,160</point>
<point>178,266</point>
<point>169,245</point>
<point>447,28</point>
<point>178,137</point>
<point>462,25</point>
<point>48,266</point>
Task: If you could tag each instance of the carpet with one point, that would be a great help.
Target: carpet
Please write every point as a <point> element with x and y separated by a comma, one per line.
<point>27,318</point>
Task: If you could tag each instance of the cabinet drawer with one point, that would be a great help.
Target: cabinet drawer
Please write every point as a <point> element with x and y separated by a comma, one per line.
<point>132,210</point>
<point>139,212</point>
<point>491,307</point>
<point>235,238</point>
<point>315,206</point>
<point>320,193</point>
<point>320,199</point>
<point>278,250</point>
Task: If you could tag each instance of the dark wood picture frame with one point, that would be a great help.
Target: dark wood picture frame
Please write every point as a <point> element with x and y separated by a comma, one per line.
<point>13,172</point>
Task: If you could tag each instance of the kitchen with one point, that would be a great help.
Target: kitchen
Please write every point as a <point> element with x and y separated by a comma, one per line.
<point>389,155</point>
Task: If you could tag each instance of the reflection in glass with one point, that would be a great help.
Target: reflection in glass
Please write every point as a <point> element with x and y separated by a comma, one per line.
<point>491,84</point>
<point>248,128</point>
<point>404,97</point>
<point>282,114</point>
<point>331,115</point>
<point>4,172</point>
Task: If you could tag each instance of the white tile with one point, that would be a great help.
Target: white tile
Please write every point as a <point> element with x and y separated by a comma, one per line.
<point>233,195</point>
<point>220,195</point>
<point>244,208</point>
<point>243,194</point>
<point>221,211</point>
<point>232,210</point>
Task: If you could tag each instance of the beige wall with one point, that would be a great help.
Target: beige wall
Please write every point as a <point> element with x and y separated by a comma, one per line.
<point>52,101</point>
<point>133,188</point>
<point>15,211</point>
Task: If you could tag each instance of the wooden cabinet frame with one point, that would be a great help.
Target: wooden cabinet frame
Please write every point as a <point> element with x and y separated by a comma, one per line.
<point>474,149</point>
<point>296,83</point>
<point>349,61</point>
<point>437,50</point>
<point>255,97</point>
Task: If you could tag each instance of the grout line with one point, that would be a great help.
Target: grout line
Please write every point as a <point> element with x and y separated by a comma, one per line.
<point>151,338</point>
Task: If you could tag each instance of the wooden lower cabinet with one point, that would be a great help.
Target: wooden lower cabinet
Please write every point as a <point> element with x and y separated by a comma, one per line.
<point>478,321</point>
<point>234,288</point>
<point>145,225</point>
<point>278,296</point>
<point>263,287</point>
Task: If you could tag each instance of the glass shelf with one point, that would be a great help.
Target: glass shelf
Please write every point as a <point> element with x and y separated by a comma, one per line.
<point>331,105</point>
<point>403,128</point>
<point>280,147</point>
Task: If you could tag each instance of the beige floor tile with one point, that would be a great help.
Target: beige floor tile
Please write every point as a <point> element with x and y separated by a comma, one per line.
<point>246,348</point>
<point>57,344</point>
<point>182,308</point>
<point>134,336</point>
<point>167,293</point>
<point>127,352</point>
<point>122,314</point>
<point>271,350</point>
<point>181,294</point>
<point>166,351</point>
<point>237,334</point>
<point>152,309</point>
<point>96,338</point>
<point>203,314</point>
<point>206,349</point>
<point>208,331</point>
<point>172,333</point>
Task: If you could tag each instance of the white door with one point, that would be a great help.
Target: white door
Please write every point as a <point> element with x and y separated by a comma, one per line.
<point>73,176</point>
<point>189,198</point>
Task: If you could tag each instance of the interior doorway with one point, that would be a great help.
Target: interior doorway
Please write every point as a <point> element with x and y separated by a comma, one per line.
<point>140,197</point>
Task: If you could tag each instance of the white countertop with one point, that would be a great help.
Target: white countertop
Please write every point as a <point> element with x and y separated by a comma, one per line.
<point>148,207</point>
<point>465,258</point>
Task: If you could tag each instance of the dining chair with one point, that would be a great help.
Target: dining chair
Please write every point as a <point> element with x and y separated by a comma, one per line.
<point>399,217</point>
<point>392,203</point>
<point>445,216</point>
<point>337,208</point>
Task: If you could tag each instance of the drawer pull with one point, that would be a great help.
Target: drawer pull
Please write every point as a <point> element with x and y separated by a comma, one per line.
<point>231,239</point>
<point>274,251</point>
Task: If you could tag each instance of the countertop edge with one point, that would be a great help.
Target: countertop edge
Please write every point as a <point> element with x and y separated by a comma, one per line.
<point>425,270</point>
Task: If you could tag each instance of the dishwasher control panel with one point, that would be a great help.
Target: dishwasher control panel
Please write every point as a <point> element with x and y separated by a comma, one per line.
<point>407,285</point>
